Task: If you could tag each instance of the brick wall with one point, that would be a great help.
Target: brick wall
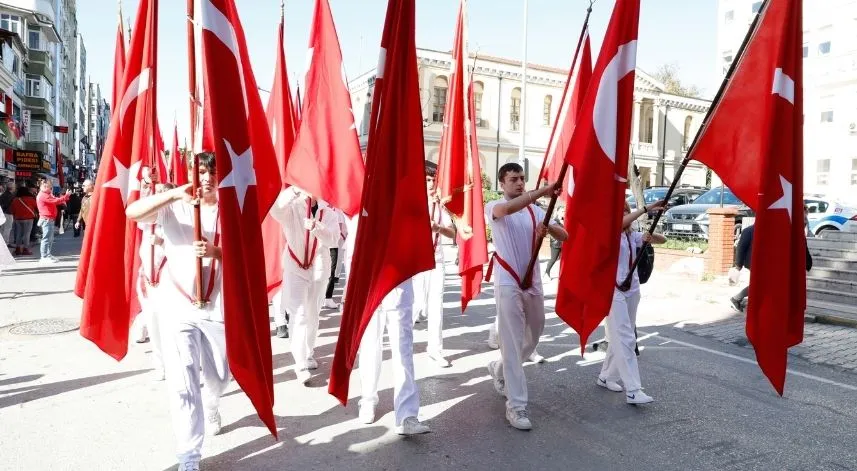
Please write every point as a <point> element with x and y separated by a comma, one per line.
<point>721,239</point>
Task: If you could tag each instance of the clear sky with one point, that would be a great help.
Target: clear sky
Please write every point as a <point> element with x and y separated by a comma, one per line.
<point>682,32</point>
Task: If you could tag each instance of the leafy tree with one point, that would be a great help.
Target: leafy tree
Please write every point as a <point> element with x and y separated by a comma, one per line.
<point>668,74</point>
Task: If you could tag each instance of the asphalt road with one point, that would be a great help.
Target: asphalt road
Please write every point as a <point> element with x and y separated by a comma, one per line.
<point>66,406</point>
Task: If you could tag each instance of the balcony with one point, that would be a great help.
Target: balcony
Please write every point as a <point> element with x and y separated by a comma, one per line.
<point>41,64</point>
<point>645,149</point>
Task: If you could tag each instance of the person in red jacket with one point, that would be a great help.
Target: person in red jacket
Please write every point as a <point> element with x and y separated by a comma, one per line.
<point>47,204</point>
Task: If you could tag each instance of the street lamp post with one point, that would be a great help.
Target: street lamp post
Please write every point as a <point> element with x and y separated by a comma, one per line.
<point>523,113</point>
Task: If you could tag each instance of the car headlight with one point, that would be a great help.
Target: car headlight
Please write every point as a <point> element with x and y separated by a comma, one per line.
<point>702,217</point>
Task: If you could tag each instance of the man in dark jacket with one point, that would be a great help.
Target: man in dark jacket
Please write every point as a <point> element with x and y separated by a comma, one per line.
<point>742,260</point>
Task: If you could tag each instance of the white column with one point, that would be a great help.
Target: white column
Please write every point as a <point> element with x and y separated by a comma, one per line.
<point>656,127</point>
<point>635,124</point>
<point>524,88</point>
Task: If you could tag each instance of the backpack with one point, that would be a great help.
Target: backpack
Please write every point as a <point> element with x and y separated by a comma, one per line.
<point>646,265</point>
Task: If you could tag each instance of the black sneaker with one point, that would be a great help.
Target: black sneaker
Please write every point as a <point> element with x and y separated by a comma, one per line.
<point>283,332</point>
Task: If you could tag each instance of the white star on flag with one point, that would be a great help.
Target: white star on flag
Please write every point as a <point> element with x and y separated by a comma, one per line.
<point>242,175</point>
<point>126,179</point>
<point>786,201</point>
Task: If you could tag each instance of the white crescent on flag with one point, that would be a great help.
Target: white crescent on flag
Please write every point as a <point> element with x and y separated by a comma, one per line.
<point>606,110</point>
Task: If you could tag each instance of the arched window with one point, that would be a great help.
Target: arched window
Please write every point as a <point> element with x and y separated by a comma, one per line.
<point>687,123</point>
<point>515,110</point>
<point>478,89</point>
<point>647,121</point>
<point>439,88</point>
<point>546,112</point>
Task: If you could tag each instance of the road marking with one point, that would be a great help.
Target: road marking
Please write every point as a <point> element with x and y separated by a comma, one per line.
<point>753,362</point>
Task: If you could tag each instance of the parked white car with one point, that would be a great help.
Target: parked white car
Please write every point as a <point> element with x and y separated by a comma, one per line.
<point>829,215</point>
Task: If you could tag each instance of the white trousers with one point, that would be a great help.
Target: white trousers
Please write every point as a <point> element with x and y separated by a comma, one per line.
<point>428,304</point>
<point>302,299</point>
<point>6,228</point>
<point>147,322</point>
<point>188,346</point>
<point>520,323</point>
<point>406,395</point>
<point>621,361</point>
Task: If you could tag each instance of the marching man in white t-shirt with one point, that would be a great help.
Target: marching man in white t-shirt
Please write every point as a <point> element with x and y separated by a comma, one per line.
<point>311,229</point>
<point>193,338</point>
<point>428,285</point>
<point>515,223</point>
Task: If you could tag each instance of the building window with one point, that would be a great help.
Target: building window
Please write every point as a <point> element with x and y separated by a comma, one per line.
<point>805,50</point>
<point>515,110</point>
<point>730,15</point>
<point>823,171</point>
<point>688,122</point>
<point>853,172</point>
<point>10,23</point>
<point>478,90</point>
<point>34,39</point>
<point>647,123</point>
<point>34,86</point>
<point>439,102</point>
<point>824,48</point>
<point>827,116</point>
<point>546,112</point>
<point>757,6</point>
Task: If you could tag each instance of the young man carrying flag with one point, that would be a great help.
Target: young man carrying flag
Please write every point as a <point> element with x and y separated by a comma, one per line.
<point>515,222</point>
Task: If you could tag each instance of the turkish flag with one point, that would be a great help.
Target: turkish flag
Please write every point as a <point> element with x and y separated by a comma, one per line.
<point>459,174</point>
<point>754,141</point>
<point>159,154</point>
<point>326,159</point>
<point>281,119</point>
<point>109,262</point>
<point>567,119</point>
<point>248,184</point>
<point>598,151</point>
<point>394,241</point>
<point>178,166</point>
<point>118,61</point>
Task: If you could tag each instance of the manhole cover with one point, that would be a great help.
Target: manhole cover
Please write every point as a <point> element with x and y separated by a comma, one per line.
<point>45,327</point>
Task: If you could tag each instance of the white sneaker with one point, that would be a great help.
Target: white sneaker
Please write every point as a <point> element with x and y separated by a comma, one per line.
<point>536,358</point>
<point>213,425</point>
<point>311,364</point>
<point>610,385</point>
<point>304,376</point>
<point>439,360</point>
<point>330,304</point>
<point>412,426</point>
<point>366,413</point>
<point>492,342</point>
<point>47,261</point>
<point>519,418</point>
<point>189,466</point>
<point>499,383</point>
<point>638,397</point>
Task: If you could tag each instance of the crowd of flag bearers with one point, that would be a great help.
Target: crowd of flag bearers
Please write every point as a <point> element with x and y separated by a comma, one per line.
<point>278,197</point>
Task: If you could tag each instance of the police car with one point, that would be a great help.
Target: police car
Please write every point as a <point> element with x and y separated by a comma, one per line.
<point>828,215</point>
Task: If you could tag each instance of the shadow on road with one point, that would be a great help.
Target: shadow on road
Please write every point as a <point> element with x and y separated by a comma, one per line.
<point>21,395</point>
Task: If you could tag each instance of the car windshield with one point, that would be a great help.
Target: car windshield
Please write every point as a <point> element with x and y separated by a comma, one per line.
<point>653,195</point>
<point>712,196</point>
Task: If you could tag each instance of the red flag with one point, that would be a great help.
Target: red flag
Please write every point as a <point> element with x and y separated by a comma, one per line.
<point>248,184</point>
<point>58,156</point>
<point>160,156</point>
<point>567,119</point>
<point>118,61</point>
<point>754,141</point>
<point>281,119</point>
<point>393,239</point>
<point>326,159</point>
<point>459,176</point>
<point>599,154</point>
<point>177,162</point>
<point>109,262</point>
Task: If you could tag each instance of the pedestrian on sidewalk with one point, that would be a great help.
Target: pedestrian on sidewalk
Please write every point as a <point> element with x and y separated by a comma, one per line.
<point>311,229</point>
<point>556,249</point>
<point>48,209</point>
<point>620,370</point>
<point>6,258</point>
<point>85,204</point>
<point>193,338</point>
<point>24,210</point>
<point>337,254</point>
<point>396,315</point>
<point>428,285</point>
<point>6,206</point>
<point>515,225</point>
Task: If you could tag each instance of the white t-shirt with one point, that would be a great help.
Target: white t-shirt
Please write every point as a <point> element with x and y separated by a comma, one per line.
<point>513,242</point>
<point>178,280</point>
<point>290,210</point>
<point>145,249</point>
<point>626,251</point>
<point>441,217</point>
